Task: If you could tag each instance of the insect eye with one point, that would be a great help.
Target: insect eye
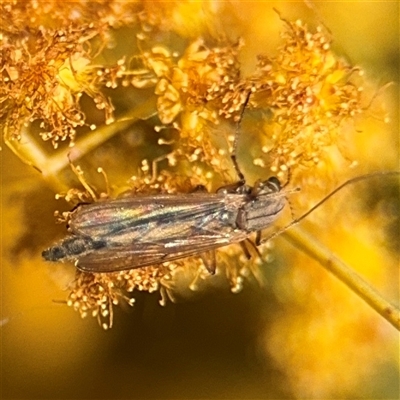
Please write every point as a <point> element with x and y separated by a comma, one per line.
<point>274,184</point>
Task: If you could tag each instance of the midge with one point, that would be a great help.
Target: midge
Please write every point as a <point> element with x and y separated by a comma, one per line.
<point>140,231</point>
<point>144,230</point>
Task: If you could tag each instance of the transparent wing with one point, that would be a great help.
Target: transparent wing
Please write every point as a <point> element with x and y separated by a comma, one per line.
<point>147,230</point>
<point>139,255</point>
<point>153,218</point>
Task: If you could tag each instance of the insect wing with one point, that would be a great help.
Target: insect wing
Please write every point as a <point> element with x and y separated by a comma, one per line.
<point>145,254</point>
<point>147,230</point>
<point>149,219</point>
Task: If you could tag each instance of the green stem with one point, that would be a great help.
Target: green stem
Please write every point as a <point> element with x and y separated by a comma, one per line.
<point>311,246</point>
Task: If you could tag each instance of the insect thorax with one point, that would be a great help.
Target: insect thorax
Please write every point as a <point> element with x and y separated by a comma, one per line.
<point>265,203</point>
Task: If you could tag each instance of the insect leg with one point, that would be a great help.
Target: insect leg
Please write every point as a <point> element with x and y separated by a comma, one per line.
<point>245,249</point>
<point>235,163</point>
<point>248,242</point>
<point>258,238</point>
<point>209,260</point>
<point>254,246</point>
<point>288,178</point>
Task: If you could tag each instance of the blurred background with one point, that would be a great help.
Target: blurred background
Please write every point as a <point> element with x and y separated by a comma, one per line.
<point>300,335</point>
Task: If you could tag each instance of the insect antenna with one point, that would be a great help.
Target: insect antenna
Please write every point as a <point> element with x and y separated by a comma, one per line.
<point>327,197</point>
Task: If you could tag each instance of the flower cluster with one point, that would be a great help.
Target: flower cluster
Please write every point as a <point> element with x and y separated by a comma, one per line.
<point>310,91</point>
<point>49,61</point>
<point>307,90</point>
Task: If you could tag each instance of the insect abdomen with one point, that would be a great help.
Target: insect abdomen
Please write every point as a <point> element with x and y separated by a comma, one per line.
<point>71,247</point>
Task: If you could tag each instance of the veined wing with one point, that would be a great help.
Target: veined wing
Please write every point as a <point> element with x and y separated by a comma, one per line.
<point>149,219</point>
<point>140,255</point>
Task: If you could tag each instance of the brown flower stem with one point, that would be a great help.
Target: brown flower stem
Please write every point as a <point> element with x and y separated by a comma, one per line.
<point>311,246</point>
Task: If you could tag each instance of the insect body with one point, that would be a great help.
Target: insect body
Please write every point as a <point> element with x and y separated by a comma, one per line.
<point>134,232</point>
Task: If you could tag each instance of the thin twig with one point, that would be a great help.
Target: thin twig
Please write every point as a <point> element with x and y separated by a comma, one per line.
<point>315,249</point>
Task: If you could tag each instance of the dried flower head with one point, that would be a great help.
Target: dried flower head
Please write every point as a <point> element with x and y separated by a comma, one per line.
<point>45,78</point>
